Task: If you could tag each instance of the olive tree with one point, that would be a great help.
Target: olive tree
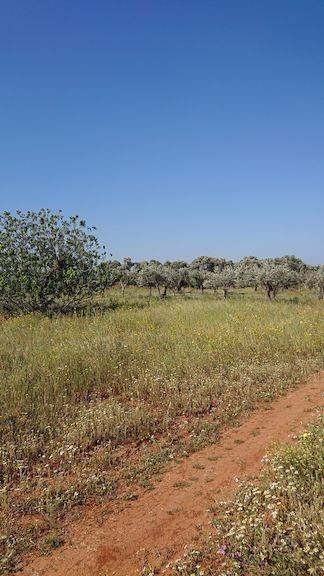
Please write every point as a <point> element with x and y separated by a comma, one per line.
<point>248,276</point>
<point>209,263</point>
<point>197,278</point>
<point>175,278</point>
<point>316,280</point>
<point>47,262</point>
<point>225,279</point>
<point>247,271</point>
<point>292,262</point>
<point>125,276</point>
<point>151,276</point>
<point>275,277</point>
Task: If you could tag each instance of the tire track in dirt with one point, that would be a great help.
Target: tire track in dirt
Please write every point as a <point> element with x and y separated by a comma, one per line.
<point>158,525</point>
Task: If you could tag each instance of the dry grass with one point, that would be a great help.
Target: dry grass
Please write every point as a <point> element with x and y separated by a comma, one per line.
<point>74,390</point>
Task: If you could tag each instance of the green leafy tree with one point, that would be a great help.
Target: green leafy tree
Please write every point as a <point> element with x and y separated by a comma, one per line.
<point>47,262</point>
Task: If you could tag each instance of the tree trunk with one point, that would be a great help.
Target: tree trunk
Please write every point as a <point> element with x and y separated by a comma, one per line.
<point>225,292</point>
<point>269,293</point>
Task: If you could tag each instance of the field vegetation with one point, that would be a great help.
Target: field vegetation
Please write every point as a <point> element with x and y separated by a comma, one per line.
<point>164,375</point>
<point>109,370</point>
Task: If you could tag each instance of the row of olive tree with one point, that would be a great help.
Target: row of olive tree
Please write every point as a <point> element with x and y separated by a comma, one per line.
<point>48,262</point>
<point>216,274</point>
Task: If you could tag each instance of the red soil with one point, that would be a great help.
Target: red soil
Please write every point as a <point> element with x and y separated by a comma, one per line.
<point>158,525</point>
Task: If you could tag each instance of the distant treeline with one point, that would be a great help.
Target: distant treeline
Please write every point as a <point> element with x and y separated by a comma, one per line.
<point>208,272</point>
<point>50,263</point>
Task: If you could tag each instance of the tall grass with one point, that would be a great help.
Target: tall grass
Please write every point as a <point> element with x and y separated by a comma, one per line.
<point>170,359</point>
<point>71,384</point>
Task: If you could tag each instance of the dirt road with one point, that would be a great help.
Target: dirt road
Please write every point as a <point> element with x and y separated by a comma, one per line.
<point>157,526</point>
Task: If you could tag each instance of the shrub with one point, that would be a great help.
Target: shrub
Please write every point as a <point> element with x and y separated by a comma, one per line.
<point>46,261</point>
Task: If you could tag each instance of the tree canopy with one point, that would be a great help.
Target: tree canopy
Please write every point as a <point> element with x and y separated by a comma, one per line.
<point>46,261</point>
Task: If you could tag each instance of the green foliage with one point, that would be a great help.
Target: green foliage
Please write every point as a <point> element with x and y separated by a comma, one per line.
<point>46,262</point>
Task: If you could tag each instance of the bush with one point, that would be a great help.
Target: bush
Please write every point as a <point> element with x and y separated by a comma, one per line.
<point>46,262</point>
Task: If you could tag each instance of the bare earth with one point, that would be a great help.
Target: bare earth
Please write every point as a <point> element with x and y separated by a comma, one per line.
<point>158,525</point>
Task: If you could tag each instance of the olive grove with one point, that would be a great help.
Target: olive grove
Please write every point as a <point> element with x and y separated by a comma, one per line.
<point>50,263</point>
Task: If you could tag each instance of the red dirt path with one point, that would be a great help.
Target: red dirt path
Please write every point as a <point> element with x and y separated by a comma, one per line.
<point>158,525</point>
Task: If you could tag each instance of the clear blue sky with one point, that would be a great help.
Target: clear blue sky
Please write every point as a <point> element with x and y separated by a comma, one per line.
<point>178,128</point>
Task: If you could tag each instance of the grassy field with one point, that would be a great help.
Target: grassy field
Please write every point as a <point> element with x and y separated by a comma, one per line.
<point>275,527</point>
<point>162,377</point>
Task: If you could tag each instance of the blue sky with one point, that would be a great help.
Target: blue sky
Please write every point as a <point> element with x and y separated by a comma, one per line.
<point>178,128</point>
